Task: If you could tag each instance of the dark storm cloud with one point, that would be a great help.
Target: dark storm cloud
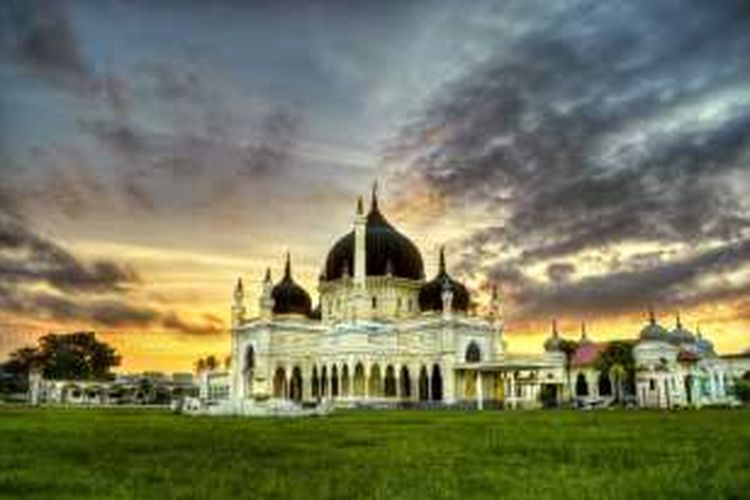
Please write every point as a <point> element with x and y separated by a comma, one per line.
<point>604,125</point>
<point>41,35</point>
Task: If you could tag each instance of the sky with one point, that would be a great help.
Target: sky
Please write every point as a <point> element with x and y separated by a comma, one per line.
<point>591,158</point>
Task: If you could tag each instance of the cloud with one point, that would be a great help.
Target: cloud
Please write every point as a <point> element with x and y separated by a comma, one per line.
<point>41,35</point>
<point>603,127</point>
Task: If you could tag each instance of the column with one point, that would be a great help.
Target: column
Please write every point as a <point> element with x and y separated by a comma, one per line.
<point>480,391</point>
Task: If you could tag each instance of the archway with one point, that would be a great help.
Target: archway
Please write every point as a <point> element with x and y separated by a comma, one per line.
<point>249,369</point>
<point>279,383</point>
<point>334,382</point>
<point>424,384</point>
<point>473,353</point>
<point>405,383</point>
<point>359,380</point>
<point>470,384</point>
<point>315,383</point>
<point>582,387</point>
<point>345,381</point>
<point>390,382</point>
<point>689,389</point>
<point>295,385</point>
<point>437,383</point>
<point>324,381</point>
<point>376,382</point>
<point>605,384</point>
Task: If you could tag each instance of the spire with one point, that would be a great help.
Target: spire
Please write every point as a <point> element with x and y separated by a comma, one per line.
<point>441,266</point>
<point>288,266</point>
<point>267,278</point>
<point>584,334</point>
<point>678,321</point>
<point>239,289</point>
<point>555,333</point>
<point>651,315</point>
<point>360,206</point>
<point>374,199</point>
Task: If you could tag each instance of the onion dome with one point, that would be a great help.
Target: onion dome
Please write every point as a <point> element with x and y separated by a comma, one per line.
<point>288,296</point>
<point>554,342</point>
<point>387,249</point>
<point>680,334</point>
<point>653,330</point>
<point>431,293</point>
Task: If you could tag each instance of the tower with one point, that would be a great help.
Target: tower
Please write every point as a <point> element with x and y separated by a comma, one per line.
<point>238,305</point>
<point>266,299</point>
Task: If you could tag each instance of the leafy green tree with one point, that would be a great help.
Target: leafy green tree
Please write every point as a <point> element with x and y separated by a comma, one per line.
<point>73,356</point>
<point>617,360</point>
<point>742,389</point>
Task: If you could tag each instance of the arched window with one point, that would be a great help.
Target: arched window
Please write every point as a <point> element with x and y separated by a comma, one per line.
<point>405,383</point>
<point>605,384</point>
<point>249,359</point>
<point>582,387</point>
<point>390,382</point>
<point>424,384</point>
<point>437,384</point>
<point>359,380</point>
<point>324,381</point>
<point>374,302</point>
<point>473,354</point>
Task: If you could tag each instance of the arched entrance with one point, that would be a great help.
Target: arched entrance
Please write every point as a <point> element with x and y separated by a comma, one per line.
<point>376,382</point>
<point>470,384</point>
<point>295,385</point>
<point>605,384</point>
<point>279,383</point>
<point>249,370</point>
<point>359,380</point>
<point>437,383</point>
<point>334,382</point>
<point>324,381</point>
<point>424,384</point>
<point>405,383</point>
<point>345,381</point>
<point>390,382</point>
<point>315,383</point>
<point>582,387</point>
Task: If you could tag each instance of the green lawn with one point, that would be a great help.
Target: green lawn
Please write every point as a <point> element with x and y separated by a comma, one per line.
<point>408,454</point>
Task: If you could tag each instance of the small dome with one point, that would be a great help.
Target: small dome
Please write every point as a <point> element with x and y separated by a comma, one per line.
<point>680,334</point>
<point>288,296</point>
<point>388,251</point>
<point>431,293</point>
<point>653,330</point>
<point>554,342</point>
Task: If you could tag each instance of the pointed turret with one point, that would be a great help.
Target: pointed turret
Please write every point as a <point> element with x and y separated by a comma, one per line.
<point>238,305</point>
<point>554,342</point>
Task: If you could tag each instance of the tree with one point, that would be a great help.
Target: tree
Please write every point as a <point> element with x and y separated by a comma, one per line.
<point>73,356</point>
<point>211,362</point>
<point>741,389</point>
<point>569,347</point>
<point>617,360</point>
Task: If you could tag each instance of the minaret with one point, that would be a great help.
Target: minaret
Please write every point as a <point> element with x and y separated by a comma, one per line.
<point>495,303</point>
<point>266,299</point>
<point>651,315</point>
<point>555,333</point>
<point>447,293</point>
<point>678,321</point>
<point>584,333</point>
<point>360,250</point>
<point>238,306</point>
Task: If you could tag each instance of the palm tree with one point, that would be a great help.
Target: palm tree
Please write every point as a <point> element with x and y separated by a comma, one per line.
<point>211,362</point>
<point>200,365</point>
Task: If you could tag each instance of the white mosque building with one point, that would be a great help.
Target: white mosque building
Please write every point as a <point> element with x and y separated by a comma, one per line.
<point>384,335</point>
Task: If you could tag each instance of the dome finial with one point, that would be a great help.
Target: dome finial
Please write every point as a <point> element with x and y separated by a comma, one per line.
<point>267,278</point>
<point>360,206</point>
<point>678,320</point>
<point>374,199</point>
<point>441,265</point>
<point>651,315</point>
<point>555,333</point>
<point>288,266</point>
<point>584,334</point>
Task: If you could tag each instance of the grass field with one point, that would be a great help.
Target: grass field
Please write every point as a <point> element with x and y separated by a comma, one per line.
<point>408,454</point>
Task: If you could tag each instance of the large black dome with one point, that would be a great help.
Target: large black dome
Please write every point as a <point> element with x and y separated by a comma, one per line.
<point>431,293</point>
<point>288,296</point>
<point>387,251</point>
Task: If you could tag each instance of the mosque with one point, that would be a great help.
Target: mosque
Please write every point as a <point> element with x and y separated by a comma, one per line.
<point>384,335</point>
